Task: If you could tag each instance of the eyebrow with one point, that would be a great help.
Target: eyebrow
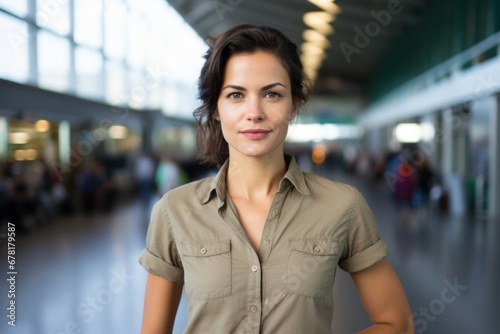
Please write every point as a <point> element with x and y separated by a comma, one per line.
<point>262,89</point>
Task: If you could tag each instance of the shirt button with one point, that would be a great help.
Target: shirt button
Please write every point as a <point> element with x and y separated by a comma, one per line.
<point>276,212</point>
<point>267,241</point>
<point>285,182</point>
<point>255,268</point>
<point>203,250</point>
<point>316,249</point>
<point>253,309</point>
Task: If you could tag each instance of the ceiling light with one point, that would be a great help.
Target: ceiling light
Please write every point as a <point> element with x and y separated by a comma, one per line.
<point>313,49</point>
<point>314,37</point>
<point>20,155</point>
<point>19,137</point>
<point>42,125</point>
<point>408,133</point>
<point>327,5</point>
<point>118,132</point>
<point>311,62</point>
<point>31,154</point>
<point>319,21</point>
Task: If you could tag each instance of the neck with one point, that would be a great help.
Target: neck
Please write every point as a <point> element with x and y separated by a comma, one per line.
<point>255,178</point>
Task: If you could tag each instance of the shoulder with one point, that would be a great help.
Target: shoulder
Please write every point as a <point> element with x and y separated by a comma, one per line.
<point>319,185</point>
<point>193,192</point>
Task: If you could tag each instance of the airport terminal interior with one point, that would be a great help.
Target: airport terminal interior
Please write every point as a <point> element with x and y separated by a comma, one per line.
<point>96,124</point>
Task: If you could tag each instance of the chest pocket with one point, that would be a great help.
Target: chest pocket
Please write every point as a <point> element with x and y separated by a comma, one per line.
<point>311,266</point>
<point>207,268</point>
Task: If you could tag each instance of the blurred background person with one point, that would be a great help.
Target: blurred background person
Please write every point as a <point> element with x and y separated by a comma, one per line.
<point>144,174</point>
<point>167,175</point>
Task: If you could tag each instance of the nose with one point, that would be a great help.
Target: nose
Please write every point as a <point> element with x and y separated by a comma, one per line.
<point>255,112</point>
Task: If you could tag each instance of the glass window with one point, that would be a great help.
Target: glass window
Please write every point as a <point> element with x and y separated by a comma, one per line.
<point>157,49</point>
<point>14,57</point>
<point>116,84</point>
<point>154,88</point>
<point>53,61</point>
<point>138,92</point>
<point>114,29</point>
<point>171,103</point>
<point>88,66</point>
<point>18,7</point>
<point>53,15</point>
<point>136,45</point>
<point>88,22</point>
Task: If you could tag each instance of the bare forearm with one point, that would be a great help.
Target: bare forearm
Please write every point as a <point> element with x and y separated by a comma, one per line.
<point>160,305</point>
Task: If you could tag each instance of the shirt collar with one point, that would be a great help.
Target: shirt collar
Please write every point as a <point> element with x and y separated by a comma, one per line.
<point>293,176</point>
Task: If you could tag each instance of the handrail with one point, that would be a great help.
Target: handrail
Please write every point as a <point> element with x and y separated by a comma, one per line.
<point>437,71</point>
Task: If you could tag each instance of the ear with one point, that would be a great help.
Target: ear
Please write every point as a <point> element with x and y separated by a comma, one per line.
<point>216,115</point>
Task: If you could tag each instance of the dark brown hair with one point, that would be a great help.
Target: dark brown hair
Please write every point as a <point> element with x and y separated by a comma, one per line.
<point>244,38</point>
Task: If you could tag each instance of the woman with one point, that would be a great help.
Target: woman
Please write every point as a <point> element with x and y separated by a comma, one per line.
<point>257,245</point>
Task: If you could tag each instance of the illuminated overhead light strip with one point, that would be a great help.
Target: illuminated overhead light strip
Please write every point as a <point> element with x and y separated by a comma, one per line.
<point>315,40</point>
<point>19,137</point>
<point>319,21</point>
<point>327,5</point>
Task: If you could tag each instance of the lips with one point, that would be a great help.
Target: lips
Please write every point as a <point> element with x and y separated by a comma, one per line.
<point>255,134</point>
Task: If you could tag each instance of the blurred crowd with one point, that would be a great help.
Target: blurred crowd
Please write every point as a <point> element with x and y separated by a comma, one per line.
<point>407,173</point>
<point>34,193</point>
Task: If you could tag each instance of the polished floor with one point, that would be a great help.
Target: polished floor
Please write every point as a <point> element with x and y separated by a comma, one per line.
<point>80,274</point>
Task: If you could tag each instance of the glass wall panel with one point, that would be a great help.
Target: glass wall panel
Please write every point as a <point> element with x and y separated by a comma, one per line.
<point>115,37</point>
<point>138,92</point>
<point>170,102</point>
<point>18,7</point>
<point>53,15</point>
<point>53,61</point>
<point>116,84</point>
<point>88,22</point>
<point>136,40</point>
<point>89,77</point>
<point>14,55</point>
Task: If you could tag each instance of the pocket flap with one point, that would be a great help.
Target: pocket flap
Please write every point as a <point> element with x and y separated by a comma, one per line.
<point>204,248</point>
<point>315,246</point>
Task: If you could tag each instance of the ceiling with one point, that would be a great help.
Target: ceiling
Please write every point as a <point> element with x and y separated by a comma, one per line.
<point>336,76</point>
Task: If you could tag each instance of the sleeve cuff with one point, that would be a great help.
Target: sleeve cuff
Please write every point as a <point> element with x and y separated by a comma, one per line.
<point>156,266</point>
<point>365,258</point>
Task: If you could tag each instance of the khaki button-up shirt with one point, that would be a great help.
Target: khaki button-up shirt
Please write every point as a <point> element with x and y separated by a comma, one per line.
<point>313,225</point>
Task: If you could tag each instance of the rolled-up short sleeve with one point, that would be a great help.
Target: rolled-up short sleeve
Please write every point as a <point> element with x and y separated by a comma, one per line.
<point>161,257</point>
<point>364,246</point>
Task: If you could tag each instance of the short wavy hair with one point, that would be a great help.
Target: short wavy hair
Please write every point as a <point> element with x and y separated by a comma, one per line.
<point>244,38</point>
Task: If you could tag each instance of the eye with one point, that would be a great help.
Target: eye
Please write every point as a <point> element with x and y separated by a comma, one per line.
<point>234,96</point>
<point>273,95</point>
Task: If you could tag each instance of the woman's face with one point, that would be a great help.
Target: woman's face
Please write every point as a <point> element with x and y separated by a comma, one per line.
<point>255,104</point>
